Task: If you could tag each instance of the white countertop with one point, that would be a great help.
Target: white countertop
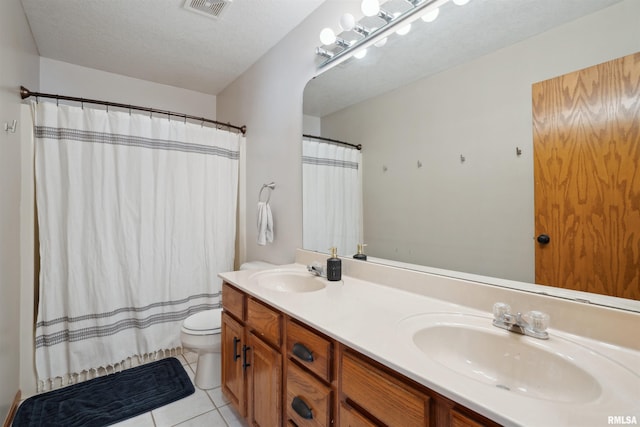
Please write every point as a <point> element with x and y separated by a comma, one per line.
<point>369,318</point>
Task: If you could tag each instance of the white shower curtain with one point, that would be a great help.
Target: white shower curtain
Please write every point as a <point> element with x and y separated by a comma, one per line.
<point>136,219</point>
<point>331,197</point>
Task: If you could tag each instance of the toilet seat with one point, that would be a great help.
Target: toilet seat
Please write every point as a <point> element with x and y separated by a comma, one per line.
<point>206,322</point>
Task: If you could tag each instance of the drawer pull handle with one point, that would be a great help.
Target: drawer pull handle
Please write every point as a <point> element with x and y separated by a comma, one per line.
<point>302,352</point>
<point>301,408</point>
<point>236,355</point>
<point>245,363</point>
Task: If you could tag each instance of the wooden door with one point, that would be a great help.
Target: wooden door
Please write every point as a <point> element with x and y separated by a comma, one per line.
<point>586,129</point>
<point>265,384</point>
<point>233,378</point>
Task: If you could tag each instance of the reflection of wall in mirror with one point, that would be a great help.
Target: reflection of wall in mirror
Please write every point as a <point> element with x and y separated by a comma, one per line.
<point>477,215</point>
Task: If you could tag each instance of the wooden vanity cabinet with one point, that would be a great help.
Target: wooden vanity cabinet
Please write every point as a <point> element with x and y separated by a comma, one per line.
<point>276,371</point>
<point>251,358</point>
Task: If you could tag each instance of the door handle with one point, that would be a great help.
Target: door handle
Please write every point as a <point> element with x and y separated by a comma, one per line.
<point>245,349</point>
<point>543,239</point>
<point>236,355</point>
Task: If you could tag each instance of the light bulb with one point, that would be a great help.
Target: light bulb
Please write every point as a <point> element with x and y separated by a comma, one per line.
<point>381,42</point>
<point>404,30</point>
<point>431,16</point>
<point>461,2</point>
<point>370,7</point>
<point>347,22</point>
<point>327,36</point>
<point>361,53</point>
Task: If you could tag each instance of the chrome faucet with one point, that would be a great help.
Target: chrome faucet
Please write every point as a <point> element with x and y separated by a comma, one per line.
<point>533,323</point>
<point>316,269</point>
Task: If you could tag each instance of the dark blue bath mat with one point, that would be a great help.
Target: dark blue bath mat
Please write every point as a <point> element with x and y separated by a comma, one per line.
<point>110,399</point>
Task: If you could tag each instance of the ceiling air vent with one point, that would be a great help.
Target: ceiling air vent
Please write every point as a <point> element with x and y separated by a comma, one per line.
<point>210,8</point>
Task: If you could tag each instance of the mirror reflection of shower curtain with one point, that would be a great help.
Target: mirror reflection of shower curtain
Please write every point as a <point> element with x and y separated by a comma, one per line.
<point>331,197</point>
<point>137,218</point>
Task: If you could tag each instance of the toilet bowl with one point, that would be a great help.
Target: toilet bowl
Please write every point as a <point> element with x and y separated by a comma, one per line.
<point>201,332</point>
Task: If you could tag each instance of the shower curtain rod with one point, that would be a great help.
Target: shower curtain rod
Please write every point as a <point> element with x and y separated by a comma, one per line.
<point>359,146</point>
<point>26,93</point>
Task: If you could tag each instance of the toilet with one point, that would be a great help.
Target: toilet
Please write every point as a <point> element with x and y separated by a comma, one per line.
<point>201,332</point>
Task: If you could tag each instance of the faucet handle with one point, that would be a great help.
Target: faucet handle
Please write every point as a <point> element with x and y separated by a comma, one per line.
<point>538,320</point>
<point>500,309</point>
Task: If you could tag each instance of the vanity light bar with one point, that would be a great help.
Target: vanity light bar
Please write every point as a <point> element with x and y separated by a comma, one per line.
<point>420,7</point>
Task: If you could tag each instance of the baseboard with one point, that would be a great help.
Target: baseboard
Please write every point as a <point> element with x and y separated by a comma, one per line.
<point>12,410</point>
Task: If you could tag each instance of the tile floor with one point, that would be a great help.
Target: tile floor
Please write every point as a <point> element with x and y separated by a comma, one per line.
<point>203,408</point>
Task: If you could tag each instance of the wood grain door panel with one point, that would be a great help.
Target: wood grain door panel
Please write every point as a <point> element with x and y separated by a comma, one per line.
<point>586,129</point>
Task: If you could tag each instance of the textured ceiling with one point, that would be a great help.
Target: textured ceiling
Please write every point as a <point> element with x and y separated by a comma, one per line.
<point>460,34</point>
<point>160,41</point>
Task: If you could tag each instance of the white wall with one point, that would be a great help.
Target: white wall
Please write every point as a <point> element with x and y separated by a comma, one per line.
<point>19,65</point>
<point>268,99</point>
<point>476,216</point>
<point>62,78</point>
<point>311,125</point>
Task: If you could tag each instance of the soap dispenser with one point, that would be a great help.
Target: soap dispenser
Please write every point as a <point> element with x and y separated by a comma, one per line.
<point>360,255</point>
<point>334,267</point>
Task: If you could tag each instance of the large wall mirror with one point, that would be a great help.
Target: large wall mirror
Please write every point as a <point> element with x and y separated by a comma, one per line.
<point>444,116</point>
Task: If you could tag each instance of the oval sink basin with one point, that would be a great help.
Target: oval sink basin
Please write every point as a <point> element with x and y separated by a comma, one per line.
<point>289,281</point>
<point>541,369</point>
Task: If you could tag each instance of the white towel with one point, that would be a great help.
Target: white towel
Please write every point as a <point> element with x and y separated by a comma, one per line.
<point>265,224</point>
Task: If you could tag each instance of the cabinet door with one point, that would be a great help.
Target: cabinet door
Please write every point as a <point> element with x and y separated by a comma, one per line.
<point>265,384</point>
<point>233,380</point>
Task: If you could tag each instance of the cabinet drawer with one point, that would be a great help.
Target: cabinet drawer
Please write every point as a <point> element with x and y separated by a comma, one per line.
<point>388,399</point>
<point>301,340</point>
<point>349,417</point>
<point>310,394</point>
<point>233,301</point>
<point>265,321</point>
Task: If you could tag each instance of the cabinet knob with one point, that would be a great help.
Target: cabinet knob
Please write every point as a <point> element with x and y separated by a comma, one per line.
<point>302,352</point>
<point>301,408</point>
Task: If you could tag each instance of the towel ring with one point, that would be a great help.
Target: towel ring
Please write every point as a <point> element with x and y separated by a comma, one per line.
<point>270,187</point>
